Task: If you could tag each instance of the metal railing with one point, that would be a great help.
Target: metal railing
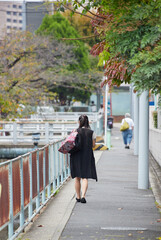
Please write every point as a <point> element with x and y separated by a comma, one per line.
<point>27,183</point>
<point>21,132</point>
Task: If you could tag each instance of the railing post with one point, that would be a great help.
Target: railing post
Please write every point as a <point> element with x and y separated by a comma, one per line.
<point>38,183</point>
<point>68,164</point>
<point>30,170</point>
<point>50,132</point>
<point>47,132</point>
<point>63,128</point>
<point>49,170</point>
<point>62,168</point>
<point>10,225</point>
<point>21,130</point>
<point>22,193</point>
<point>44,176</point>
<point>14,133</point>
<point>58,164</point>
<point>54,165</point>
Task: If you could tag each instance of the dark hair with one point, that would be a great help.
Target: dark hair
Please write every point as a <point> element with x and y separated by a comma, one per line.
<point>83,121</point>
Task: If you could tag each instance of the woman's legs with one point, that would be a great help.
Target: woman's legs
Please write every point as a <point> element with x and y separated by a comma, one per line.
<point>78,187</point>
<point>84,186</point>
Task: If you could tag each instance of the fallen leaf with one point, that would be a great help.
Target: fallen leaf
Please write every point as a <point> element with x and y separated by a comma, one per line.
<point>140,231</point>
<point>40,225</point>
<point>130,234</point>
<point>120,209</point>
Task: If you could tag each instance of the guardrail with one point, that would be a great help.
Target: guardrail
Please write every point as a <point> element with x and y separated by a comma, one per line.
<point>22,131</point>
<point>64,116</point>
<point>27,183</point>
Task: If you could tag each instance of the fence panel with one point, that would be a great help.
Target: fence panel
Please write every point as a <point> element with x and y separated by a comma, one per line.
<point>4,195</point>
<point>26,180</point>
<point>16,185</point>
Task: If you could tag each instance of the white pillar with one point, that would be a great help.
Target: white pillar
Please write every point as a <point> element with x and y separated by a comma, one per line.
<point>136,124</point>
<point>106,103</point>
<point>143,166</point>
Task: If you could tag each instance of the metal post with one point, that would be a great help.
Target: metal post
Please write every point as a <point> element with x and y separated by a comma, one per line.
<point>62,168</point>
<point>22,217</point>
<point>10,225</point>
<point>106,102</point>
<point>14,133</point>
<point>30,170</point>
<point>54,166</point>
<point>131,101</point>
<point>136,124</point>
<point>47,132</point>
<point>58,164</point>
<point>44,177</point>
<point>38,182</point>
<point>143,167</point>
<point>109,138</point>
<point>49,170</point>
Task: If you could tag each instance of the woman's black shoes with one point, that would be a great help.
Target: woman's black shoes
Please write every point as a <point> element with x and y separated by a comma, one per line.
<point>78,199</point>
<point>83,200</point>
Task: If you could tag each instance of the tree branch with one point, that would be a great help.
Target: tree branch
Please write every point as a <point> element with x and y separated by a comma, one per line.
<point>96,35</point>
<point>81,13</point>
<point>89,11</point>
<point>14,62</point>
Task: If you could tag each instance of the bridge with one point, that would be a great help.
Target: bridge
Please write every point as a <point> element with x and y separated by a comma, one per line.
<point>18,137</point>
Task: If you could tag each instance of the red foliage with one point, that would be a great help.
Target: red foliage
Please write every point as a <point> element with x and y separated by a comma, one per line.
<point>116,71</point>
<point>97,48</point>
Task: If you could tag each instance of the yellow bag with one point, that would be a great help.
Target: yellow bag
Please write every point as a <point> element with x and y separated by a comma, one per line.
<point>124,126</point>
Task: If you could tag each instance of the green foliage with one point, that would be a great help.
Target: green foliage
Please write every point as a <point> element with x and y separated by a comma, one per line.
<point>59,27</point>
<point>82,81</point>
<point>155,119</point>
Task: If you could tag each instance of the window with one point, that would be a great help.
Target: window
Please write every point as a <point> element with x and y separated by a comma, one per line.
<point>9,27</point>
<point>20,21</point>
<point>15,13</point>
<point>20,28</point>
<point>8,12</point>
<point>14,20</point>
<point>20,7</point>
<point>8,20</point>
<point>20,14</point>
<point>14,6</point>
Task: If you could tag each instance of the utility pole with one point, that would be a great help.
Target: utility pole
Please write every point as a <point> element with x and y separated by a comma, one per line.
<point>106,103</point>
<point>143,166</point>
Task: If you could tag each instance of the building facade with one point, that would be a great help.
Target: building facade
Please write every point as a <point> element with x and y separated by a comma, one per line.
<point>10,17</point>
<point>18,15</point>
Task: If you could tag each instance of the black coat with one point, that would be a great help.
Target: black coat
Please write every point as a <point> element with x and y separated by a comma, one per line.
<point>82,163</point>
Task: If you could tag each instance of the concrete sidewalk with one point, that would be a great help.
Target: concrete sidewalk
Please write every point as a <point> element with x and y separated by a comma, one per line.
<point>115,208</point>
<point>53,218</point>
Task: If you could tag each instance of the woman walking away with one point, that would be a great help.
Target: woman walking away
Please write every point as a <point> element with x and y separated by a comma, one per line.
<point>127,134</point>
<point>82,162</point>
